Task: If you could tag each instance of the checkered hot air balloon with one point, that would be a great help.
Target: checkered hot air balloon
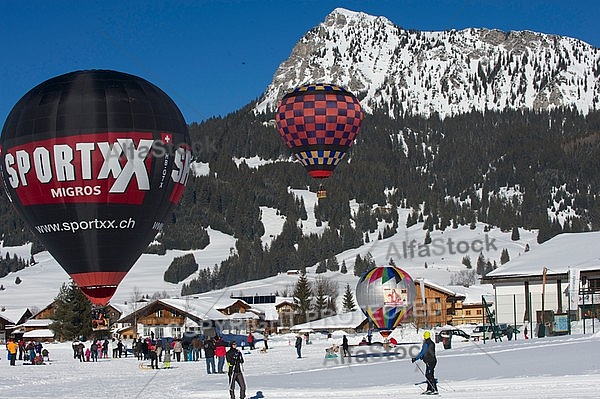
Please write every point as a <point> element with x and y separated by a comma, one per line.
<point>319,122</point>
<point>386,295</point>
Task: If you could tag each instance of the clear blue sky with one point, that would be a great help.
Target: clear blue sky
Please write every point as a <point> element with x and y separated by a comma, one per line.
<point>213,57</point>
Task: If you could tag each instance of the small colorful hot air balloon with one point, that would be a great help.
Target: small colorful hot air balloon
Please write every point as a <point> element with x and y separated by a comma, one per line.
<point>386,295</point>
<point>319,122</point>
<point>93,161</point>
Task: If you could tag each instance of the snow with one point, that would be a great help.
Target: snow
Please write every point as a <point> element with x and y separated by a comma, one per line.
<point>566,250</point>
<point>554,367</point>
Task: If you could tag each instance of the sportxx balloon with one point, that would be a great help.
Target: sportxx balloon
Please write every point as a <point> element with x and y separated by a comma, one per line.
<point>386,295</point>
<point>319,122</point>
<point>93,161</point>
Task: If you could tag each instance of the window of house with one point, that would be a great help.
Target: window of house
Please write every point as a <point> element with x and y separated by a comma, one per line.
<point>159,313</point>
<point>479,311</point>
<point>438,300</point>
<point>468,312</point>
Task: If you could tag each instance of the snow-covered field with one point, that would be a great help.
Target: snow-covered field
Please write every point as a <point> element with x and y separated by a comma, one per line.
<point>553,367</point>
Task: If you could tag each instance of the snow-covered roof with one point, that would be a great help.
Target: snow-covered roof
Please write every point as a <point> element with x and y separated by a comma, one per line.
<point>41,333</point>
<point>37,323</point>
<point>205,309</point>
<point>438,287</point>
<point>579,250</point>
<point>339,321</point>
<point>13,314</point>
<point>473,293</point>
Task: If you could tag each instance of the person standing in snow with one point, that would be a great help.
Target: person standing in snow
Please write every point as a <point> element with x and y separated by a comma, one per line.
<point>13,348</point>
<point>251,341</point>
<point>94,351</point>
<point>345,347</point>
<point>266,337</point>
<point>299,345</point>
<point>177,349</point>
<point>220,352</point>
<point>235,361</point>
<point>153,355</point>
<point>427,354</point>
<point>209,352</point>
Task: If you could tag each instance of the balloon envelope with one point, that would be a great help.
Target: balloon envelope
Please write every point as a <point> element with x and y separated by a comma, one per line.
<point>319,122</point>
<point>93,161</point>
<point>386,295</point>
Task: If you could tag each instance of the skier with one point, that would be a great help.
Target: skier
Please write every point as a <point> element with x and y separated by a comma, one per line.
<point>427,354</point>
<point>235,361</point>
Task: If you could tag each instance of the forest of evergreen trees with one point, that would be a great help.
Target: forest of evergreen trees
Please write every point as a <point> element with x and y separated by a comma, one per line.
<point>450,172</point>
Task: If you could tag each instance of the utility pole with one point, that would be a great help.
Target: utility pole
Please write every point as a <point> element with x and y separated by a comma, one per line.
<point>542,328</point>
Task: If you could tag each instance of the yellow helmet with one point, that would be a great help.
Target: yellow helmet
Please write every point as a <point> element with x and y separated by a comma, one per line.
<point>426,334</point>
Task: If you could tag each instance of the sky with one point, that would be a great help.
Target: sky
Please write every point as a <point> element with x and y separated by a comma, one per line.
<point>215,56</point>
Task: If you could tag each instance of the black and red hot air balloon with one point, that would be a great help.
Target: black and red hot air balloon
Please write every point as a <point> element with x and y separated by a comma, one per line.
<point>93,161</point>
<point>319,122</point>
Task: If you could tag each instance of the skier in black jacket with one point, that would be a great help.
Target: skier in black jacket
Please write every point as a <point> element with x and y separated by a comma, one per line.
<point>427,354</point>
<point>234,361</point>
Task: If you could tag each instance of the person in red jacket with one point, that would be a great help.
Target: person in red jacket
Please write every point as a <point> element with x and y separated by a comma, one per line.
<point>220,352</point>
<point>251,341</point>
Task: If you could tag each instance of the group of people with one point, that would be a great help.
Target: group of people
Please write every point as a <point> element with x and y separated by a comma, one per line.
<point>28,351</point>
<point>99,349</point>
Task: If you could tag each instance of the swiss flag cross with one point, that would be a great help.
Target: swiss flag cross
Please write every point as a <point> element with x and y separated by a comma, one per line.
<point>166,138</point>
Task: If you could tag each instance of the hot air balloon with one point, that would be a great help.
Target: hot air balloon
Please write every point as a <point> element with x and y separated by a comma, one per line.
<point>386,295</point>
<point>319,122</point>
<point>93,161</point>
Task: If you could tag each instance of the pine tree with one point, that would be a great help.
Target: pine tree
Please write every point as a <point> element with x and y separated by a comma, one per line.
<point>332,264</point>
<point>348,304</point>
<point>481,265</point>
<point>343,269</point>
<point>515,236</point>
<point>427,238</point>
<point>302,298</point>
<point>504,256</point>
<point>72,316</point>
<point>466,260</point>
<point>320,299</point>
<point>321,267</point>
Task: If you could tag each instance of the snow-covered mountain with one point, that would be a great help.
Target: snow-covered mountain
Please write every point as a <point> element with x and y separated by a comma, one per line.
<point>415,72</point>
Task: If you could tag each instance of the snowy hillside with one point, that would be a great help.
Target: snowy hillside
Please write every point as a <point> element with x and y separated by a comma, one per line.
<point>40,283</point>
<point>450,72</point>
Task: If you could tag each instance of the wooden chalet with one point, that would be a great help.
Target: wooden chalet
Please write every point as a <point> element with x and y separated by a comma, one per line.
<point>438,307</point>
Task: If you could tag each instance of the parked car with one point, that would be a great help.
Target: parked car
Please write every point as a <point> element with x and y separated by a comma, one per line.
<point>457,332</point>
<point>486,332</point>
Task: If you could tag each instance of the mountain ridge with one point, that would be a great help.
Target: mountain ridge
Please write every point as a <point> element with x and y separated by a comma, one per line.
<point>409,72</point>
